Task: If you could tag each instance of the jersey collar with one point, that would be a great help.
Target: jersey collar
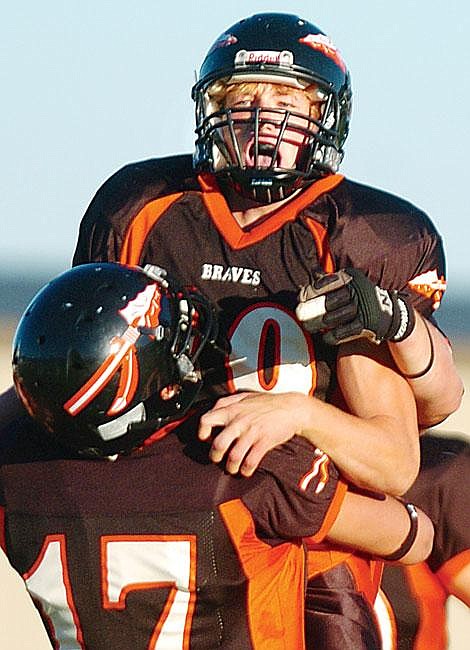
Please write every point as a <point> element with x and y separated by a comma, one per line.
<point>237,237</point>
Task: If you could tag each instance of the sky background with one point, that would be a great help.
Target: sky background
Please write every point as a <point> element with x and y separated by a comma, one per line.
<point>88,86</point>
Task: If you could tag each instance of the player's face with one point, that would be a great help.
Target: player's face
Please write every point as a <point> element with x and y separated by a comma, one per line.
<point>272,100</point>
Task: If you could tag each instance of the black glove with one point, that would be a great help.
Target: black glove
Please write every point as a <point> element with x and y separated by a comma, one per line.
<point>346,305</point>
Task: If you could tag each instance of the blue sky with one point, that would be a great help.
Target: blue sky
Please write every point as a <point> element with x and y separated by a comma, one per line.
<point>90,85</point>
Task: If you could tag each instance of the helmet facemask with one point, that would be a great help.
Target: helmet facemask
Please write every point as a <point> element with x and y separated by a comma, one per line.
<point>259,173</point>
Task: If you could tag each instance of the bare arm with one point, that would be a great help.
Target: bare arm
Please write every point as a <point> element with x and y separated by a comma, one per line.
<point>347,306</point>
<point>379,528</point>
<point>374,446</point>
<point>425,358</point>
<point>384,448</point>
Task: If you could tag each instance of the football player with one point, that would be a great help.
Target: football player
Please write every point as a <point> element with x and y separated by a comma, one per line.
<point>124,531</point>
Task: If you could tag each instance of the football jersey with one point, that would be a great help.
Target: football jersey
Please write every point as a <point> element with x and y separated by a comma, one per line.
<point>417,594</point>
<point>160,212</point>
<point>161,548</point>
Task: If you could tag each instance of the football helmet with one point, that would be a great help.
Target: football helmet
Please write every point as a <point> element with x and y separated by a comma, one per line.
<point>282,49</point>
<point>95,348</point>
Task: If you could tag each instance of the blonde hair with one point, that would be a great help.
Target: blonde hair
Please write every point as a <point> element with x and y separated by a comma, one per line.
<point>218,91</point>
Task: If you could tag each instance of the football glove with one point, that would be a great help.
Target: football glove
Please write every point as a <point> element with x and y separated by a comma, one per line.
<point>346,305</point>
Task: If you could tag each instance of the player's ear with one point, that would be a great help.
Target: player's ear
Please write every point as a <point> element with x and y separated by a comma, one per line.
<point>170,391</point>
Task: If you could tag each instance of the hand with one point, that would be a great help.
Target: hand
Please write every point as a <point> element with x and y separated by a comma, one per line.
<point>251,424</point>
<point>347,305</point>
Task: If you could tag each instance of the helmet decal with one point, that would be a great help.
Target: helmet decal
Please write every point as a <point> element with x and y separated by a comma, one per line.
<point>128,382</point>
<point>325,45</point>
<point>142,311</point>
<point>224,41</point>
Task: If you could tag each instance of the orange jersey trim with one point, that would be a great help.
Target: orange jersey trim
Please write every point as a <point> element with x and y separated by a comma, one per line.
<point>321,559</point>
<point>432,634</point>
<point>276,579</point>
<point>320,237</point>
<point>140,226</point>
<point>452,567</point>
<point>239,238</point>
<point>331,515</point>
<point>366,573</point>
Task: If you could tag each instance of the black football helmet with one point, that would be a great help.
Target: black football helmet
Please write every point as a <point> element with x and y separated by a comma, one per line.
<point>283,49</point>
<point>96,346</point>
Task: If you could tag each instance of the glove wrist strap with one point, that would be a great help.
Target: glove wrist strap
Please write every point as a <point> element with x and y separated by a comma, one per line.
<point>405,320</point>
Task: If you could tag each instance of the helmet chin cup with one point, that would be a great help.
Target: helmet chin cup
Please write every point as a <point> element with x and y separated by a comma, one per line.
<point>261,185</point>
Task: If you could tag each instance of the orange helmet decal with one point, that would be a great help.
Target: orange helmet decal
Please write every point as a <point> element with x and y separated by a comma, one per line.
<point>142,311</point>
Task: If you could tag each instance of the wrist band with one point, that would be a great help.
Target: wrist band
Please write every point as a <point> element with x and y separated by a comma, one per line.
<point>405,315</point>
<point>417,375</point>
<point>409,539</point>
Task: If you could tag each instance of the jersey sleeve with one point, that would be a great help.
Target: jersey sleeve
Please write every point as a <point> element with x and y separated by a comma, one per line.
<point>453,523</point>
<point>427,282</point>
<point>300,495</point>
<point>395,243</point>
<point>118,201</point>
<point>97,242</point>
<point>103,225</point>
<point>417,267</point>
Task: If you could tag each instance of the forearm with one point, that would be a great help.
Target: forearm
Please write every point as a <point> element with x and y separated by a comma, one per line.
<point>385,436</point>
<point>379,452</point>
<point>347,306</point>
<point>379,528</point>
<point>374,441</point>
<point>427,353</point>
<point>377,449</point>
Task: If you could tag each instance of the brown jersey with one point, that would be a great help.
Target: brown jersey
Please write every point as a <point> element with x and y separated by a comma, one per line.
<point>162,548</point>
<point>159,212</point>
<point>417,594</point>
